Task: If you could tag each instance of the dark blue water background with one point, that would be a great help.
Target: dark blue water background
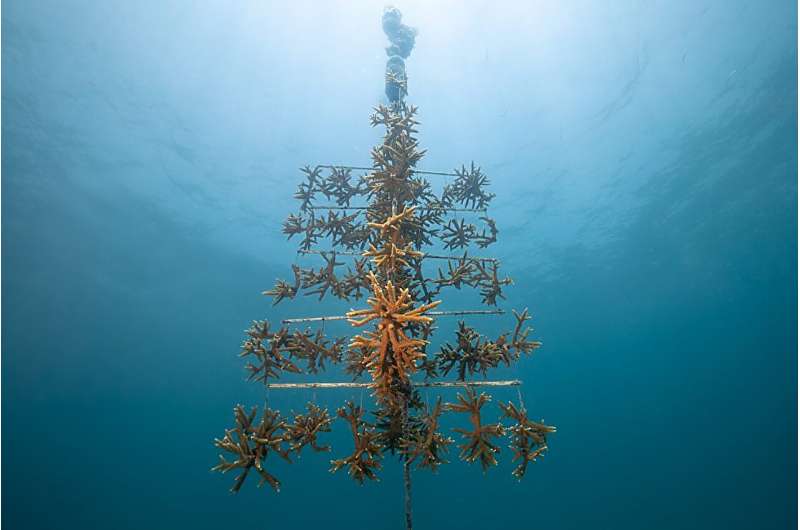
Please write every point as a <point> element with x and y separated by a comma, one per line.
<point>644,160</point>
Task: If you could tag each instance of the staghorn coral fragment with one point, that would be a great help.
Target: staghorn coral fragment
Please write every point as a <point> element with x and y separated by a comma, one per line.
<point>284,289</point>
<point>459,272</point>
<point>468,188</point>
<point>305,194</point>
<point>477,442</point>
<point>519,340</point>
<point>313,175</point>
<point>364,461</point>
<point>356,360</point>
<point>393,223</point>
<point>393,161</point>
<point>323,280</point>
<point>268,350</point>
<point>484,239</point>
<point>457,234</point>
<point>490,284</point>
<point>528,438</point>
<point>315,349</point>
<point>391,355</point>
<point>251,443</point>
<point>281,290</point>
<point>425,444</point>
<point>293,225</point>
<point>393,425</point>
<point>338,186</point>
<point>472,354</point>
<point>391,256</point>
<point>277,352</point>
<point>305,428</point>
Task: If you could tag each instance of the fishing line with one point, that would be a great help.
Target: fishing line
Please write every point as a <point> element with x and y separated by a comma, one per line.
<point>521,401</point>
<point>519,388</point>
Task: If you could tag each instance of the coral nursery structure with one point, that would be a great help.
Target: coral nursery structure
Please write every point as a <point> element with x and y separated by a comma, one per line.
<point>376,237</point>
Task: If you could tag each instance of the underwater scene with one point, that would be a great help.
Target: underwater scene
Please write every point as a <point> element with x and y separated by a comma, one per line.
<point>442,264</point>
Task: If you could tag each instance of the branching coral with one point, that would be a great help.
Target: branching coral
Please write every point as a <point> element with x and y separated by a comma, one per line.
<point>384,219</point>
<point>477,442</point>
<point>519,339</point>
<point>392,256</point>
<point>457,234</point>
<point>338,185</point>
<point>268,349</point>
<point>393,425</point>
<point>472,354</point>
<point>315,349</point>
<point>425,444</point>
<point>394,222</point>
<point>306,427</point>
<point>468,188</point>
<point>284,289</point>
<point>251,443</point>
<point>394,159</point>
<point>277,352</point>
<point>490,284</point>
<point>528,438</point>
<point>391,355</point>
<point>364,462</point>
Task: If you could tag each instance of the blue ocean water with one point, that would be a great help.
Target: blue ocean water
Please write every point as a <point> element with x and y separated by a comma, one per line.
<point>644,159</point>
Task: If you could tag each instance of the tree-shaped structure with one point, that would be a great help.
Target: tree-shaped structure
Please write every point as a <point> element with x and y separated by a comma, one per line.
<point>376,236</point>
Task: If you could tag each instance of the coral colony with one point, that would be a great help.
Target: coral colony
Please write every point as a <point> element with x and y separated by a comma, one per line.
<point>373,256</point>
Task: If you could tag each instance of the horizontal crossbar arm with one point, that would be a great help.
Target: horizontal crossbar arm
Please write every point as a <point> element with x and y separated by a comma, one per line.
<point>421,172</point>
<point>424,255</point>
<point>430,313</point>
<point>439,208</point>
<point>431,384</point>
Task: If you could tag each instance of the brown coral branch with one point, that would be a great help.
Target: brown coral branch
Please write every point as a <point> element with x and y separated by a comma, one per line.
<point>251,443</point>
<point>364,461</point>
<point>529,438</point>
<point>477,442</point>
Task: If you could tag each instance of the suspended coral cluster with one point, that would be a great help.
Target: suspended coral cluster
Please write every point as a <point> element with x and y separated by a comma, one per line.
<point>389,354</point>
<point>474,354</point>
<point>375,236</point>
<point>392,182</point>
<point>273,353</point>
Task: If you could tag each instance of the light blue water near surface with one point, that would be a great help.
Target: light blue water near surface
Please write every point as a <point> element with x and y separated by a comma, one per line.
<point>644,160</point>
